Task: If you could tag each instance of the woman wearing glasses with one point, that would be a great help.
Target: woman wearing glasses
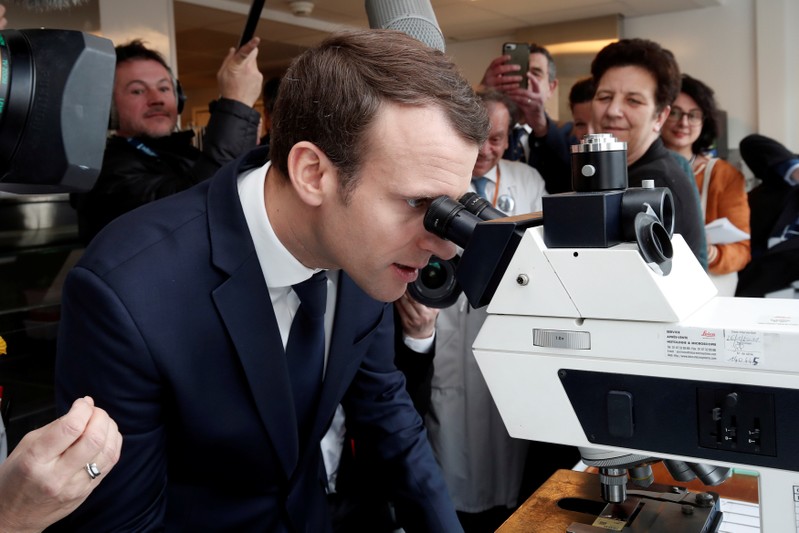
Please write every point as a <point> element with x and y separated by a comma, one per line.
<point>636,82</point>
<point>691,130</point>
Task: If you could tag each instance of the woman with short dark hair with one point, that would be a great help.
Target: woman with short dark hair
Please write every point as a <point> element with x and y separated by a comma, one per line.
<point>636,82</point>
<point>691,130</point>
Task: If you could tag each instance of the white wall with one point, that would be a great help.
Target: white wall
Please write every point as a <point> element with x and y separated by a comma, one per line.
<point>717,46</point>
<point>777,74</point>
<point>746,51</point>
<point>153,21</point>
<point>472,57</point>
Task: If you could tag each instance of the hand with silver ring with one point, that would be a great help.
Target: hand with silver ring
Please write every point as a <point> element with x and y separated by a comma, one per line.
<point>44,478</point>
<point>92,470</point>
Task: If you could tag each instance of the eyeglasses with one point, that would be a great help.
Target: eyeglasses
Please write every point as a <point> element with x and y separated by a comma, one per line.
<point>695,117</point>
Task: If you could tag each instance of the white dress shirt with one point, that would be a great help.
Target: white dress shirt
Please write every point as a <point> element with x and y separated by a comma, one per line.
<point>282,270</point>
<point>520,187</point>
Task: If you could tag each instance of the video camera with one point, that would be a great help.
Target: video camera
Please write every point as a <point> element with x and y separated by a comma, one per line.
<point>55,97</point>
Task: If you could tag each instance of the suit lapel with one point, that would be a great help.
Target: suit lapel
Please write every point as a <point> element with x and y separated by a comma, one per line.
<point>260,349</point>
<point>245,307</point>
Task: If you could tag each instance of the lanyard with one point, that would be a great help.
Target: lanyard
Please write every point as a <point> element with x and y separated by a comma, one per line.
<point>496,188</point>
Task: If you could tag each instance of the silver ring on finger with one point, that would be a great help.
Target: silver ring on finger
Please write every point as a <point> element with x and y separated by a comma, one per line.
<point>92,470</point>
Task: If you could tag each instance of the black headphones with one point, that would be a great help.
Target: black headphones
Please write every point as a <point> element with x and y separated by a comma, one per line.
<point>180,96</point>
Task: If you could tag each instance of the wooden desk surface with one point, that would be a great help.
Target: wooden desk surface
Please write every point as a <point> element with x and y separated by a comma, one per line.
<point>541,514</point>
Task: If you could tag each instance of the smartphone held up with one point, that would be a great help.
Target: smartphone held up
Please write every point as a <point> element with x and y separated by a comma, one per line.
<point>519,55</point>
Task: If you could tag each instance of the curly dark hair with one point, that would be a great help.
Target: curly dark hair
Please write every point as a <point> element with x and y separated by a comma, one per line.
<point>706,100</point>
<point>647,55</point>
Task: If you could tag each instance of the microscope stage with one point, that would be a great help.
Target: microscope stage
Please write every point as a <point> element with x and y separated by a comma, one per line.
<point>569,502</point>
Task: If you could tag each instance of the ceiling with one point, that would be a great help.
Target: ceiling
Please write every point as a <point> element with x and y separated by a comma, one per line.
<point>205,29</point>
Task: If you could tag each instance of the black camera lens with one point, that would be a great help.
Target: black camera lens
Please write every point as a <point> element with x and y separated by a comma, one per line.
<point>55,95</point>
<point>434,275</point>
<point>436,285</point>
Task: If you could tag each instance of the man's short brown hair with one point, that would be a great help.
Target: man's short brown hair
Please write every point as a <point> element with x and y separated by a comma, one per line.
<point>331,94</point>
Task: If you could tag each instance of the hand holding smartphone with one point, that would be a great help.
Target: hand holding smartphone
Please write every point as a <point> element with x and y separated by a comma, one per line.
<point>519,55</point>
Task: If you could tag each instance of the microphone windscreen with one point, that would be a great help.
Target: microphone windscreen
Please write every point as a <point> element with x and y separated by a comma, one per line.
<point>48,5</point>
<point>413,17</point>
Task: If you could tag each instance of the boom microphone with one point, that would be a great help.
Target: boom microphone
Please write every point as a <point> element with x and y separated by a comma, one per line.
<point>252,21</point>
<point>413,17</point>
<point>47,5</point>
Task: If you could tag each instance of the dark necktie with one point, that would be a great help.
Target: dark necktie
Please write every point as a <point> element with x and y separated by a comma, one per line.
<point>305,349</point>
<point>515,151</point>
<point>480,186</point>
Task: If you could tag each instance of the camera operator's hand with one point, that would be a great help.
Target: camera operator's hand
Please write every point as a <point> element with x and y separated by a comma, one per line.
<point>531,104</point>
<point>418,321</point>
<point>238,77</point>
<point>45,478</point>
<point>502,76</point>
<point>3,20</point>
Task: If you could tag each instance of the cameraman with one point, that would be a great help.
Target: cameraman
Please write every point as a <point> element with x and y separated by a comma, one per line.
<point>147,158</point>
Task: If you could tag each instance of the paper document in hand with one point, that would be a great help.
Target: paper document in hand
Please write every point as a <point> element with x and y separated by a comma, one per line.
<point>721,231</point>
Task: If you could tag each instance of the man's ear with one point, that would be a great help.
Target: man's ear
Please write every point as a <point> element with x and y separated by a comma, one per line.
<point>311,173</point>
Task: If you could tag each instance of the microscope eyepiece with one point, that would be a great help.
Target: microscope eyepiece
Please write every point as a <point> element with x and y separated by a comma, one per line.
<point>450,220</point>
<point>479,206</point>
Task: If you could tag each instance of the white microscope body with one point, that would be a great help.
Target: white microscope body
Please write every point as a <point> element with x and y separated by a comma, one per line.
<point>591,347</point>
<point>605,333</point>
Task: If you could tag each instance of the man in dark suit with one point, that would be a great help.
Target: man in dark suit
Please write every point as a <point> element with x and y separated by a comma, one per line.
<point>774,206</point>
<point>178,318</point>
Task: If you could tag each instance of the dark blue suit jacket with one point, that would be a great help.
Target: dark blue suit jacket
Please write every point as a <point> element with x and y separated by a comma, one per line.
<point>168,324</point>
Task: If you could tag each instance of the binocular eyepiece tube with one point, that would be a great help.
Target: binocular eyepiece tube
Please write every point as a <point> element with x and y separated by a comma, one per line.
<point>455,221</point>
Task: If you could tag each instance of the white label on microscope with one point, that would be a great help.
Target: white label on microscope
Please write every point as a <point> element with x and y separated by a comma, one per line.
<point>743,348</point>
<point>780,320</point>
<point>697,344</point>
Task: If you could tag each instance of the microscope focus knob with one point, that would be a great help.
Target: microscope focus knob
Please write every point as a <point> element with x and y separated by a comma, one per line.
<point>705,499</point>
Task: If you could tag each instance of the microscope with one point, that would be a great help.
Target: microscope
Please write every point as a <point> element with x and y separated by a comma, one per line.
<point>604,332</point>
